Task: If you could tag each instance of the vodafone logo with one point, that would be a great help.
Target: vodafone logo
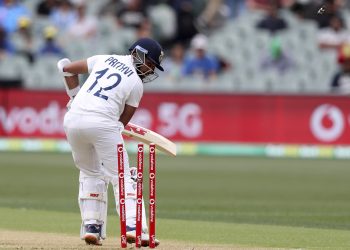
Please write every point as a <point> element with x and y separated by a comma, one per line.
<point>327,123</point>
<point>27,120</point>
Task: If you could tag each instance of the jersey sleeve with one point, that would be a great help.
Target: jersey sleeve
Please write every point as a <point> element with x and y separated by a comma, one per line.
<point>135,96</point>
<point>91,61</point>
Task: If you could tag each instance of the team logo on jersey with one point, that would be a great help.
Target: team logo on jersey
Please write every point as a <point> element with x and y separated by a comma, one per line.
<point>161,56</point>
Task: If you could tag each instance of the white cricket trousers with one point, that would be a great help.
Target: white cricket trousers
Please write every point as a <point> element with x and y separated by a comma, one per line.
<point>93,140</point>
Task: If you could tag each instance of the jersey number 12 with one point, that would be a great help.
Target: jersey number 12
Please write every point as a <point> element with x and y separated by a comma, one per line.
<point>100,74</point>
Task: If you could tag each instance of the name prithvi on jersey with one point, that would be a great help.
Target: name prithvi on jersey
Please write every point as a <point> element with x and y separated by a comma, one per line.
<point>112,61</point>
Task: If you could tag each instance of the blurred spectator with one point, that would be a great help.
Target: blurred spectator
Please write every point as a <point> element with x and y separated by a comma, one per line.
<point>163,20</point>
<point>9,77</point>
<point>334,36</point>
<point>50,46</point>
<point>110,8</point>
<point>214,16</point>
<point>173,63</point>
<point>341,80</point>
<point>85,26</point>
<point>272,21</point>
<point>264,5</point>
<point>200,63</point>
<point>10,12</point>
<point>236,8</point>
<point>332,8</point>
<point>257,5</point>
<point>23,39</point>
<point>276,58</point>
<point>185,18</point>
<point>5,46</point>
<point>298,9</point>
<point>45,7</point>
<point>132,14</point>
<point>64,15</point>
<point>144,30</point>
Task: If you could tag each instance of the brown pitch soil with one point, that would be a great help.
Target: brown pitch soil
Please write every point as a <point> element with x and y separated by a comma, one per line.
<point>37,240</point>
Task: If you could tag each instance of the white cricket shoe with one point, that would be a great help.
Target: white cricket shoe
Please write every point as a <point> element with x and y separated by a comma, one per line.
<point>93,234</point>
<point>131,237</point>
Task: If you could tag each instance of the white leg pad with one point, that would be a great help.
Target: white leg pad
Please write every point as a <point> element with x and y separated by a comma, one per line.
<point>130,205</point>
<point>93,203</point>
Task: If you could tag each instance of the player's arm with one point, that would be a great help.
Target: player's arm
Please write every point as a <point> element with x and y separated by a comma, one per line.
<point>77,67</point>
<point>127,114</point>
<point>70,71</point>
<point>131,104</point>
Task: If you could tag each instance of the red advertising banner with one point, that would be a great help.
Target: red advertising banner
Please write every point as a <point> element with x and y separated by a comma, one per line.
<point>3,115</point>
<point>197,117</point>
<point>32,114</point>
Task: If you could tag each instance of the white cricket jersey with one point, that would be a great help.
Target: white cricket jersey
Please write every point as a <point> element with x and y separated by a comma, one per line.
<point>112,83</point>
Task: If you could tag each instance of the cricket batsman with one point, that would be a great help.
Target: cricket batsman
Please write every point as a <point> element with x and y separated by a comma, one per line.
<point>98,112</point>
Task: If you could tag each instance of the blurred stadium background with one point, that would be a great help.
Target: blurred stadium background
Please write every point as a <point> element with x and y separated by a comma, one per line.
<point>243,77</point>
<point>240,34</point>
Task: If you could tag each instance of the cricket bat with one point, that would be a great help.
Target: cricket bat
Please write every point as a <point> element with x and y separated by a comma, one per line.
<point>148,136</point>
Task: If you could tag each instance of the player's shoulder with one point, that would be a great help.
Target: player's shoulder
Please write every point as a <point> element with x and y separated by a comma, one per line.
<point>92,60</point>
<point>117,59</point>
<point>106,56</point>
<point>100,57</point>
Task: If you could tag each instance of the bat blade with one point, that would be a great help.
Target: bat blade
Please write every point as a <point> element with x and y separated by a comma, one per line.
<point>148,136</point>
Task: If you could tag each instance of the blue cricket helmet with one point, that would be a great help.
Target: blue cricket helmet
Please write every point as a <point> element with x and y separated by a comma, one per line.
<point>152,50</point>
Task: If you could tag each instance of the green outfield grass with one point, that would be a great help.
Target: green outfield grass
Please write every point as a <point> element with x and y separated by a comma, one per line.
<point>283,203</point>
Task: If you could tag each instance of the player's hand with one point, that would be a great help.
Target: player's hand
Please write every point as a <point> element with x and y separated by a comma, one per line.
<point>60,66</point>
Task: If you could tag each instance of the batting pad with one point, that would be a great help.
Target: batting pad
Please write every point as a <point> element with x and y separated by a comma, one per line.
<point>130,204</point>
<point>93,203</point>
